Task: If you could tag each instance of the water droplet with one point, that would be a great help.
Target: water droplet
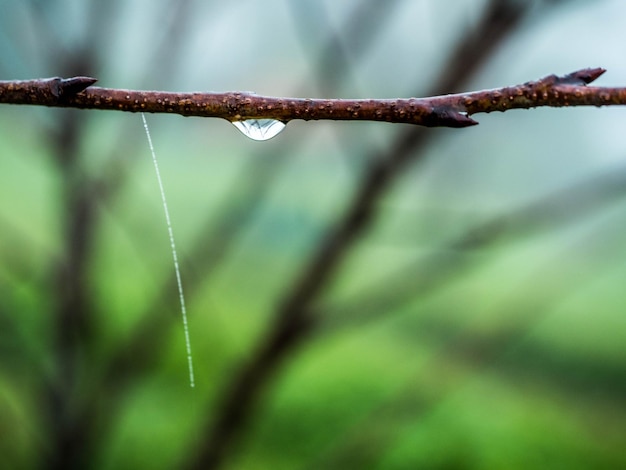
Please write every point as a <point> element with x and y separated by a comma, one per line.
<point>260,129</point>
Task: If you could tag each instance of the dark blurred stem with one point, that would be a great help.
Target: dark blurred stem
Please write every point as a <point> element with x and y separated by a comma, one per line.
<point>289,328</point>
<point>69,423</point>
<point>217,239</point>
<point>294,320</point>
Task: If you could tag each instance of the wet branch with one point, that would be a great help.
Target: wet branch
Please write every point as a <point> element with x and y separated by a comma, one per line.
<point>438,111</point>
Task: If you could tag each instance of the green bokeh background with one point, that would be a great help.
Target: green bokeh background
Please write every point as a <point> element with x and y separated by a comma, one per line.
<point>478,323</point>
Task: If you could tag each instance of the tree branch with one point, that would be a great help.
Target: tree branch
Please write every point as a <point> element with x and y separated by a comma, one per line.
<point>437,111</point>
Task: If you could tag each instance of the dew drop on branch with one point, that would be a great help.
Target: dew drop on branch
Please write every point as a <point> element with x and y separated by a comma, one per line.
<point>260,129</point>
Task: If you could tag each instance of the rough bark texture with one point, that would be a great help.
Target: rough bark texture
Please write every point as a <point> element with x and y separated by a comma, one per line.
<point>438,111</point>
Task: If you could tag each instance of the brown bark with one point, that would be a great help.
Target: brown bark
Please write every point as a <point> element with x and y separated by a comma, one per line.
<point>437,111</point>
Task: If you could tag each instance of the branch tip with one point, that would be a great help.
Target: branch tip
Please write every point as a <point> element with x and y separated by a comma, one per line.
<point>583,76</point>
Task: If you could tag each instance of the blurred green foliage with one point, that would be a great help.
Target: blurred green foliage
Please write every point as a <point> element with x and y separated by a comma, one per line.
<point>477,323</point>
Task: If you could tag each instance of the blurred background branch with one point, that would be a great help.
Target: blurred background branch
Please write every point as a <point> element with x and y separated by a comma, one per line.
<point>361,295</point>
